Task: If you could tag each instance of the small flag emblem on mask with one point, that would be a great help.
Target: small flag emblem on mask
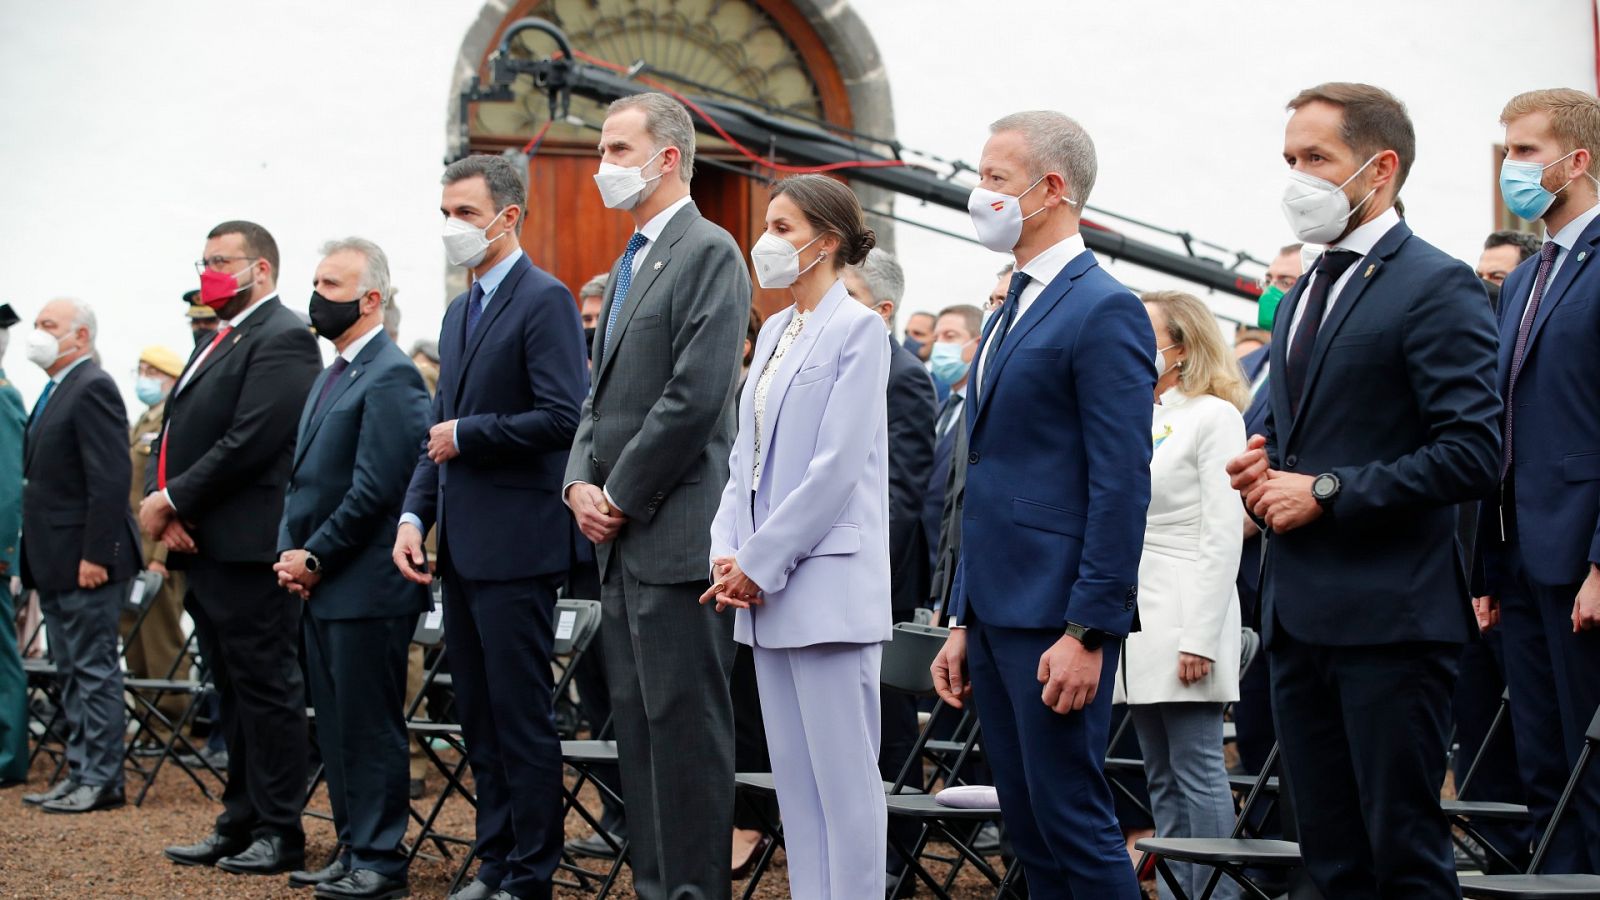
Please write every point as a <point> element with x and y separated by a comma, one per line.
<point>997,205</point>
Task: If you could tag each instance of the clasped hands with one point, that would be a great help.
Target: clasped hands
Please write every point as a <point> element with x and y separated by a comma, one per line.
<point>159,522</point>
<point>293,576</point>
<point>732,587</point>
<point>597,518</point>
<point>1281,499</point>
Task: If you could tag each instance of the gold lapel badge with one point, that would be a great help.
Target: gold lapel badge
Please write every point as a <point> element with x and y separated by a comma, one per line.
<point>1370,269</point>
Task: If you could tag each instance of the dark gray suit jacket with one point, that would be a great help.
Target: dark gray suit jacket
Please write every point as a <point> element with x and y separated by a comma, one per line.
<point>944,566</point>
<point>658,423</point>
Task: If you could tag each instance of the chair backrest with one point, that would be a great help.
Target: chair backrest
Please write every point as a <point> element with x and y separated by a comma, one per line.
<point>1591,745</point>
<point>576,622</point>
<point>430,625</point>
<point>142,587</point>
<point>908,657</point>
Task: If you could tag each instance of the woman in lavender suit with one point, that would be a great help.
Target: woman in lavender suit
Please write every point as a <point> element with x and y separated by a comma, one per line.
<point>800,544</point>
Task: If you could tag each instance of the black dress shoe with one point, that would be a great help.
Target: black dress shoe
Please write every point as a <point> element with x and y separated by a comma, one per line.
<point>365,884</point>
<point>503,895</point>
<point>87,798</point>
<point>334,871</point>
<point>63,787</point>
<point>269,854</point>
<point>206,853</point>
<point>594,846</point>
<point>477,890</point>
<point>416,788</point>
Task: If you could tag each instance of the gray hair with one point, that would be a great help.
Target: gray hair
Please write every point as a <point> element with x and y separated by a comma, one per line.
<point>375,267</point>
<point>1056,143</point>
<point>594,287</point>
<point>883,276</point>
<point>508,184</point>
<point>82,316</point>
<point>667,123</point>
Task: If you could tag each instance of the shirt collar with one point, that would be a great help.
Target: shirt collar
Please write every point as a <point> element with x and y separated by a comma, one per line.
<point>492,278</point>
<point>1367,235</point>
<point>1569,234</point>
<point>658,222</point>
<point>238,320</point>
<point>62,375</point>
<point>349,353</point>
<point>1046,266</point>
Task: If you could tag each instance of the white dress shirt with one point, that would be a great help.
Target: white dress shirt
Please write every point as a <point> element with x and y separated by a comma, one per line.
<point>1362,240</point>
<point>353,349</point>
<point>1041,270</point>
<point>1563,239</point>
<point>62,374</point>
<point>653,228</point>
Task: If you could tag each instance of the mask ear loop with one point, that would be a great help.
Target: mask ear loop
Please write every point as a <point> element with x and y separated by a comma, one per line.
<point>814,262</point>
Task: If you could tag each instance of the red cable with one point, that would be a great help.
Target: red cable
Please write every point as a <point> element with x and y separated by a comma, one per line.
<point>742,150</point>
<point>528,147</point>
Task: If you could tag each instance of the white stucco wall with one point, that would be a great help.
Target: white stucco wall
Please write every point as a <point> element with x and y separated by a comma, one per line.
<point>128,130</point>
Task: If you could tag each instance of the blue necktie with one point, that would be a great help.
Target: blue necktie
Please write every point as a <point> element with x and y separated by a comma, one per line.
<point>474,307</point>
<point>38,407</point>
<point>1008,315</point>
<point>624,281</point>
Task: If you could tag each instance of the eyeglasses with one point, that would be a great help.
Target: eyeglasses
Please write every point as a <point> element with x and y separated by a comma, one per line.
<point>215,263</point>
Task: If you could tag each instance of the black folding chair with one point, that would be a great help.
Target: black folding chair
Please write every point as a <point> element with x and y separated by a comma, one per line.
<point>1229,856</point>
<point>1533,886</point>
<point>143,697</point>
<point>1466,815</point>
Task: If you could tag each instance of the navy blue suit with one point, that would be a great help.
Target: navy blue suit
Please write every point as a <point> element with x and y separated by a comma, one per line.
<point>354,451</point>
<point>1058,437</point>
<point>1365,609</point>
<point>514,388</point>
<point>1551,511</point>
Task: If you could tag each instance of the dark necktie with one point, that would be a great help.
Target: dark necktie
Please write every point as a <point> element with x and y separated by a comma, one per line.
<point>38,406</point>
<point>952,409</point>
<point>334,371</point>
<point>1008,316</point>
<point>1332,265</point>
<point>474,307</point>
<point>1547,261</point>
<point>624,281</point>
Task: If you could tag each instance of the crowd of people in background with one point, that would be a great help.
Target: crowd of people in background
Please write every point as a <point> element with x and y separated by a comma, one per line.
<point>1349,529</point>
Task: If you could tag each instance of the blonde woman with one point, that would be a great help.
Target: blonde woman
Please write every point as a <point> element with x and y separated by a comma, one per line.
<point>1183,665</point>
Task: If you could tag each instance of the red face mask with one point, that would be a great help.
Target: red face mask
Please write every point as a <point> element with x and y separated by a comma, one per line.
<point>217,288</point>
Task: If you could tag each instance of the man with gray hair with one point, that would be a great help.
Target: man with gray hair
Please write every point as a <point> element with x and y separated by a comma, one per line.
<point>644,481</point>
<point>354,452</point>
<point>79,547</point>
<point>1058,482</point>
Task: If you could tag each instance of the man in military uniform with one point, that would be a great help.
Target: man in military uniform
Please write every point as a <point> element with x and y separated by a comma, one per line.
<point>152,650</point>
<point>13,683</point>
<point>203,323</point>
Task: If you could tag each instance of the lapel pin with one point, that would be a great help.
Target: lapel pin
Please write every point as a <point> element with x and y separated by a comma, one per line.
<point>1369,271</point>
<point>1582,254</point>
<point>659,265</point>
<point>237,337</point>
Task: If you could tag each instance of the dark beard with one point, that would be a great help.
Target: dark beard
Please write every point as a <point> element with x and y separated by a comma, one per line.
<point>237,305</point>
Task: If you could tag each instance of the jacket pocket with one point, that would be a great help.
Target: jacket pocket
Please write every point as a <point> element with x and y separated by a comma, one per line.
<point>1032,514</point>
<point>813,374</point>
<point>1581,466</point>
<point>1354,339</point>
<point>1036,353</point>
<point>640,323</point>
<point>841,540</point>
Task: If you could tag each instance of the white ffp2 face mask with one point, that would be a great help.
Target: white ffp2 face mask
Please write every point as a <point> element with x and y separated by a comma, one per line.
<point>465,244</point>
<point>1316,208</point>
<point>624,187</point>
<point>43,348</point>
<point>998,218</point>
<point>777,261</point>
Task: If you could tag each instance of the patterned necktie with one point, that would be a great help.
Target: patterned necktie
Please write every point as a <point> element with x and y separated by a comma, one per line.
<point>1332,265</point>
<point>947,416</point>
<point>474,307</point>
<point>1008,315</point>
<point>1547,261</point>
<point>161,460</point>
<point>334,371</point>
<point>624,281</point>
<point>38,406</point>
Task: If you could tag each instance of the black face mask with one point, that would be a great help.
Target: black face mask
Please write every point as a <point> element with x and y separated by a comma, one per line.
<point>203,334</point>
<point>332,318</point>
<point>588,340</point>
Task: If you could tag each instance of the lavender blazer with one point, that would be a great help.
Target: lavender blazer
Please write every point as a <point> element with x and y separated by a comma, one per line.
<point>816,537</point>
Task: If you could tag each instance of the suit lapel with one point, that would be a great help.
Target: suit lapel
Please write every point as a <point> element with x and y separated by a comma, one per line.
<point>58,399</point>
<point>1345,301</point>
<point>657,259</point>
<point>228,343</point>
<point>347,381</point>
<point>503,297</point>
<point>1583,250</point>
<point>795,358</point>
<point>300,434</point>
<point>1059,287</point>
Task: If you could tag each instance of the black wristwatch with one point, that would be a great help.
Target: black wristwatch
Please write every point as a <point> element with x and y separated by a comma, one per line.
<point>313,565</point>
<point>1325,489</point>
<point>1090,638</point>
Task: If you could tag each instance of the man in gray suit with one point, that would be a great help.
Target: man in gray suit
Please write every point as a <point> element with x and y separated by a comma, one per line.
<point>646,473</point>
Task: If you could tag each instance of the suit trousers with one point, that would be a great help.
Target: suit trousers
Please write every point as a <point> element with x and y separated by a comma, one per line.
<point>1362,735</point>
<point>1049,769</point>
<point>83,643</point>
<point>820,706</point>
<point>1554,676</point>
<point>357,670</point>
<point>499,639</point>
<point>249,634</point>
<point>13,696</point>
<point>1189,792</point>
<point>667,662</point>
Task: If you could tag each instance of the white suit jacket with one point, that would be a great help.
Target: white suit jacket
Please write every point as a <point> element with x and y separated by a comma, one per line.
<point>1188,601</point>
<point>814,533</point>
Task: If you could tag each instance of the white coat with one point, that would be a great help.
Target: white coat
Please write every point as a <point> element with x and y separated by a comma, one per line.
<point>1193,531</point>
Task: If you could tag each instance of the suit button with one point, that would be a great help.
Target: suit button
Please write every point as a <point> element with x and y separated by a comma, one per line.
<point>1291,460</point>
<point>972,458</point>
<point>597,415</point>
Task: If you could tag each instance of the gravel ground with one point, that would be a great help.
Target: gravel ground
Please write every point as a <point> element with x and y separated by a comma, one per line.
<point>118,853</point>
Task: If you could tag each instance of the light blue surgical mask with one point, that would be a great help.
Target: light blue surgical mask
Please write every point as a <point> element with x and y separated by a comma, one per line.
<point>945,363</point>
<point>150,390</point>
<point>1522,187</point>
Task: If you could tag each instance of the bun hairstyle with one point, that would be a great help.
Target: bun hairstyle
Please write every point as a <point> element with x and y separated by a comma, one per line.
<point>831,207</point>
